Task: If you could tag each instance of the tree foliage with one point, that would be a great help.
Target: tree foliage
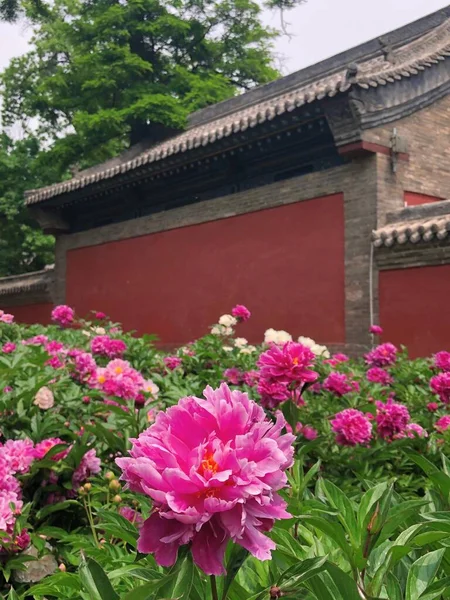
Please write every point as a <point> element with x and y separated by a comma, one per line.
<point>102,75</point>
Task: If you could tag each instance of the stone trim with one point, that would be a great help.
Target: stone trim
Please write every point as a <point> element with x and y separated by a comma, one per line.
<point>29,288</point>
<point>408,256</point>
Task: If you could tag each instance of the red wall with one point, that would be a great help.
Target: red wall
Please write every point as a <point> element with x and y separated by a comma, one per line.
<point>414,199</point>
<point>414,308</point>
<point>286,264</point>
<point>31,313</point>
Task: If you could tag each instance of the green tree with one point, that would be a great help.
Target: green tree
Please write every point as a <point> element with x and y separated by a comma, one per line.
<point>23,246</point>
<point>104,74</point>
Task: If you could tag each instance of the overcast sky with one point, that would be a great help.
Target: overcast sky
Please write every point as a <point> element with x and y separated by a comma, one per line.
<point>319,28</point>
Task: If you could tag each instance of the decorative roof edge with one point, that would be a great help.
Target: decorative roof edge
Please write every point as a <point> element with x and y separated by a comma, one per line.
<point>425,229</point>
<point>386,65</point>
<point>27,282</point>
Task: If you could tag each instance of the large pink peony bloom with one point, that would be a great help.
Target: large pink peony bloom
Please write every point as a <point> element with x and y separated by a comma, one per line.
<point>213,468</point>
<point>103,345</point>
<point>120,379</point>
<point>440,385</point>
<point>339,384</point>
<point>290,363</point>
<point>19,455</point>
<point>272,393</point>
<point>383,355</point>
<point>442,360</point>
<point>43,447</point>
<point>352,427</point>
<point>63,315</point>
<point>442,424</point>
<point>379,375</point>
<point>392,419</point>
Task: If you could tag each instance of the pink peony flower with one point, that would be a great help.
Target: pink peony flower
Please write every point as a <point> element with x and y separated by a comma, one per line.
<point>63,315</point>
<point>272,393</point>
<point>89,465</point>
<point>213,468</point>
<point>103,345</point>
<point>43,447</point>
<point>6,318</point>
<point>376,330</point>
<point>287,364</point>
<point>10,507</point>
<point>233,375</point>
<point>241,312</point>
<point>251,378</point>
<point>352,427</point>
<point>83,365</point>
<point>442,360</point>
<point>440,385</point>
<point>100,316</point>
<point>19,455</point>
<point>309,433</point>
<point>8,347</point>
<point>383,355</point>
<point>131,515</point>
<point>339,384</point>
<point>54,347</point>
<point>432,406</point>
<point>36,340</point>
<point>119,379</point>
<point>22,541</point>
<point>336,359</point>
<point>392,419</point>
<point>415,430</point>
<point>44,398</point>
<point>172,362</point>
<point>442,424</point>
<point>55,362</point>
<point>379,375</point>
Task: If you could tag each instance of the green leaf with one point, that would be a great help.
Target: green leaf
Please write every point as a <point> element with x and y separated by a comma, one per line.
<point>421,574</point>
<point>95,581</point>
<point>237,558</point>
<point>339,500</point>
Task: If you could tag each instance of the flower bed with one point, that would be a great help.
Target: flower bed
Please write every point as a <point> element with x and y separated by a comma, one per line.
<point>221,470</point>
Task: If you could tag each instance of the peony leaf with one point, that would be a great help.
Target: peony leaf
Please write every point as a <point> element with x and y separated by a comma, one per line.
<point>95,581</point>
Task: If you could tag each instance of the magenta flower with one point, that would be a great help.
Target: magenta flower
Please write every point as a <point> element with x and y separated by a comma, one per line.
<point>119,379</point>
<point>392,419</point>
<point>442,424</point>
<point>272,393</point>
<point>43,447</point>
<point>440,385</point>
<point>251,378</point>
<point>233,375</point>
<point>10,507</point>
<point>339,384</point>
<point>241,312</point>
<point>19,455</point>
<point>103,345</point>
<point>379,375</point>
<point>309,433</point>
<point>336,359</point>
<point>83,364</point>
<point>89,465</point>
<point>6,318</point>
<point>8,347</point>
<point>415,430</point>
<point>376,330</point>
<point>287,364</point>
<point>352,427</point>
<point>213,468</point>
<point>432,406</point>
<point>442,360</point>
<point>54,347</point>
<point>131,515</point>
<point>100,316</point>
<point>63,315</point>
<point>383,355</point>
<point>37,340</point>
<point>172,362</point>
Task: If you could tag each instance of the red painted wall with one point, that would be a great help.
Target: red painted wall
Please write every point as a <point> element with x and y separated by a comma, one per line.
<point>286,264</point>
<point>30,313</point>
<point>414,308</point>
<point>414,199</point>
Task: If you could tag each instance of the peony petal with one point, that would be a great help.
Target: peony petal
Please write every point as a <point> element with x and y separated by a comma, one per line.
<point>208,549</point>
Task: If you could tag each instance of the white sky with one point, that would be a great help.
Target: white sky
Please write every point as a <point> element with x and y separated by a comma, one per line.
<point>320,28</point>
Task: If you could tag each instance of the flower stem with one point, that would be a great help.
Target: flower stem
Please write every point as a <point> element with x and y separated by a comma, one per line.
<point>215,595</point>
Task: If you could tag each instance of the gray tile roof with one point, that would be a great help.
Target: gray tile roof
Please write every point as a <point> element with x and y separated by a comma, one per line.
<point>413,231</point>
<point>28,282</point>
<point>386,65</point>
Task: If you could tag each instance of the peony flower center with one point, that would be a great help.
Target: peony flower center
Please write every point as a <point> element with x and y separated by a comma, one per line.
<point>295,360</point>
<point>209,464</point>
<point>208,493</point>
<point>101,379</point>
<point>118,370</point>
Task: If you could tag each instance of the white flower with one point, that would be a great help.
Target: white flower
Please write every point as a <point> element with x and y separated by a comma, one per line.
<point>314,346</point>
<point>86,333</point>
<point>227,320</point>
<point>228,348</point>
<point>44,398</point>
<point>247,350</point>
<point>221,330</point>
<point>98,330</point>
<point>240,342</point>
<point>277,337</point>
